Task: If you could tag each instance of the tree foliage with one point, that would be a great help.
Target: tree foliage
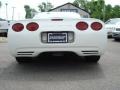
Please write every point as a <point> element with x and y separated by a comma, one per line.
<point>82,4</point>
<point>98,9</point>
<point>30,12</point>
<point>44,7</point>
<point>116,11</point>
<point>108,12</point>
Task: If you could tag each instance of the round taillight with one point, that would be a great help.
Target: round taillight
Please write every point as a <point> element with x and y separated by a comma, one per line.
<point>96,26</point>
<point>32,26</point>
<point>82,25</point>
<point>17,27</point>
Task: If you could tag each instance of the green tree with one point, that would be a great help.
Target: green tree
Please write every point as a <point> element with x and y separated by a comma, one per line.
<point>82,4</point>
<point>116,11</point>
<point>95,7</point>
<point>108,12</point>
<point>44,7</point>
<point>30,12</point>
<point>76,3</point>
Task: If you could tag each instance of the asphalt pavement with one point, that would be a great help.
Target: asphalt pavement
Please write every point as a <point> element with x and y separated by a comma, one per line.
<point>62,73</point>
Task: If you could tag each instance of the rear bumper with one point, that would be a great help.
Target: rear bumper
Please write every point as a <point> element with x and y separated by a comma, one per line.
<point>80,51</point>
<point>29,44</point>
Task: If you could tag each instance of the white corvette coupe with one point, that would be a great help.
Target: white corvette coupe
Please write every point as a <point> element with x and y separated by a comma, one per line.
<point>55,33</point>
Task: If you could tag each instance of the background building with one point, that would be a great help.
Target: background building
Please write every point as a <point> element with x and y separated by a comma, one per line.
<point>69,7</point>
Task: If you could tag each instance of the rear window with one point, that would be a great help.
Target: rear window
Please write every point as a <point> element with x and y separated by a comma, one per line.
<point>112,21</point>
<point>63,15</point>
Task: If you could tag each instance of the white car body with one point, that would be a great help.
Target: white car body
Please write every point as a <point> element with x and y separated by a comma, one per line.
<point>116,32</point>
<point>83,43</point>
<point>110,28</point>
<point>111,25</point>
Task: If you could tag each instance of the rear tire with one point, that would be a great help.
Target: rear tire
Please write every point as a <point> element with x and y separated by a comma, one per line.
<point>109,36</point>
<point>116,39</point>
<point>23,59</point>
<point>93,59</point>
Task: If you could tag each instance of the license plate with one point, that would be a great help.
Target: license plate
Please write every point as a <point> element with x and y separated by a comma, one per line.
<point>57,38</point>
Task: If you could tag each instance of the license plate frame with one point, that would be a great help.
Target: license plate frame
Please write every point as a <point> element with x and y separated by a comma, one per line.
<point>57,37</point>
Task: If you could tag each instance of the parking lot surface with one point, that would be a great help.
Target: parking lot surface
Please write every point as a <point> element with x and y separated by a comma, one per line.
<point>65,73</point>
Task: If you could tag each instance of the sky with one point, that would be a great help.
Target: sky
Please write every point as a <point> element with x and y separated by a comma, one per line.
<point>18,6</point>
